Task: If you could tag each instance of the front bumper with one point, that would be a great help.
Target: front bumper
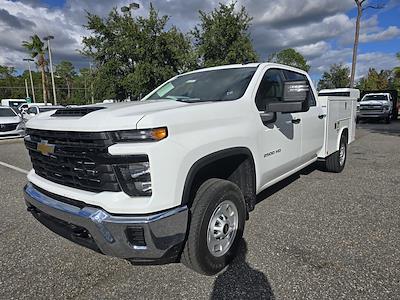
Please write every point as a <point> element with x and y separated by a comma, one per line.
<point>155,238</point>
<point>13,133</point>
<point>382,115</point>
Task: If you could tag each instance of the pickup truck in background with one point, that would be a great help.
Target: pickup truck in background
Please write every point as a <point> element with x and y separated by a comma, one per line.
<point>394,95</point>
<point>173,177</point>
<point>376,106</point>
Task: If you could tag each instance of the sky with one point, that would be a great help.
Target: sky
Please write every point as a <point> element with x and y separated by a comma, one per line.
<point>323,31</point>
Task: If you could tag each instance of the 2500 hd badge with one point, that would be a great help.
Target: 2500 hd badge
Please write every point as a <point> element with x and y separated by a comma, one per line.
<point>272,153</point>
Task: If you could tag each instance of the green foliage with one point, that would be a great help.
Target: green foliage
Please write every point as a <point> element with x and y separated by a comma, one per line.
<point>290,57</point>
<point>337,77</point>
<point>376,80</point>
<point>396,70</point>
<point>36,49</point>
<point>66,71</point>
<point>222,37</point>
<point>134,55</point>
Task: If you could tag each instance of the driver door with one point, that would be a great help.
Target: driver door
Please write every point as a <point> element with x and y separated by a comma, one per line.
<point>279,139</point>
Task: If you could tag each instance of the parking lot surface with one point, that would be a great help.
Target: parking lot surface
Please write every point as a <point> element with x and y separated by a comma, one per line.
<point>316,235</point>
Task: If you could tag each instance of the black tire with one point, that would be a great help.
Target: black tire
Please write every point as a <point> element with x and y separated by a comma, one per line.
<point>333,162</point>
<point>388,119</point>
<point>196,254</point>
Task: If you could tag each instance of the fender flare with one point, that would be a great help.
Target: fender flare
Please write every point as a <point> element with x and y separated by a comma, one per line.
<point>208,159</point>
<point>340,136</point>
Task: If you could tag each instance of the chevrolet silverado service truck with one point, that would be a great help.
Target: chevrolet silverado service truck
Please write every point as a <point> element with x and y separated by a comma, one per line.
<point>174,176</point>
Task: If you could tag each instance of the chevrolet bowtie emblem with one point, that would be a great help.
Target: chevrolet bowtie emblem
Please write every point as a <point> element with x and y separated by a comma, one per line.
<point>45,148</point>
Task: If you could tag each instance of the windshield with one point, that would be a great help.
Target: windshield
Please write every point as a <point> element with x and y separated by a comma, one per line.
<point>215,85</point>
<point>7,112</point>
<point>375,97</point>
<point>43,109</point>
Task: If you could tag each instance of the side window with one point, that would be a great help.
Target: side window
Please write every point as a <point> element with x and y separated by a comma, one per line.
<point>270,89</point>
<point>289,75</point>
<point>31,110</point>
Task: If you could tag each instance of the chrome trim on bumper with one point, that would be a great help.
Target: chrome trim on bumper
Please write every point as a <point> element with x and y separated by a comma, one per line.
<point>162,231</point>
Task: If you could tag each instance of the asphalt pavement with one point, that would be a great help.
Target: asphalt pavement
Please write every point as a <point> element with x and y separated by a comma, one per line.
<point>316,235</point>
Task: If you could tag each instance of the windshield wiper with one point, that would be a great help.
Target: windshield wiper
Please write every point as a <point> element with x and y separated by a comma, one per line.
<point>194,100</point>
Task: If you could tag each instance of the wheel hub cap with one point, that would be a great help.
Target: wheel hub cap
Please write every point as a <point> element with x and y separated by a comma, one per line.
<point>222,228</point>
<point>342,154</point>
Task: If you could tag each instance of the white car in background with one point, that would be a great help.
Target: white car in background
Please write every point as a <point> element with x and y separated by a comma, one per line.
<point>34,110</point>
<point>11,124</point>
<point>24,106</point>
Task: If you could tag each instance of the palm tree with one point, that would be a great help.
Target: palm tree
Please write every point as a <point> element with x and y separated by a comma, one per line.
<point>37,50</point>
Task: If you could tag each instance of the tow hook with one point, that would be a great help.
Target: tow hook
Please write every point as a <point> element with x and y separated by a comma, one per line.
<point>32,209</point>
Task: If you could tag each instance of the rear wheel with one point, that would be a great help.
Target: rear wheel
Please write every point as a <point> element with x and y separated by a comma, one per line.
<point>336,161</point>
<point>217,221</point>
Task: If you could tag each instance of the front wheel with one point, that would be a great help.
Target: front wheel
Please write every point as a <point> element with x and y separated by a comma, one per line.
<point>217,221</point>
<point>336,161</point>
<point>388,119</point>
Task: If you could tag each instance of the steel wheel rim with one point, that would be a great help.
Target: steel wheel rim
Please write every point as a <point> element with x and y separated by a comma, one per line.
<point>222,228</point>
<point>342,154</point>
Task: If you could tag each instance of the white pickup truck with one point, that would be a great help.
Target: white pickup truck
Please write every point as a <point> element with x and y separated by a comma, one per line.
<point>174,177</point>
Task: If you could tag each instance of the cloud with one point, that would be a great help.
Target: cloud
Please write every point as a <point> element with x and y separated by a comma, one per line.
<point>315,50</point>
<point>289,13</point>
<point>388,34</point>
<point>12,21</point>
<point>323,33</point>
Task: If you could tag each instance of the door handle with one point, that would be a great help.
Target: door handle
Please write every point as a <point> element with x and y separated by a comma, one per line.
<point>321,116</point>
<point>296,121</point>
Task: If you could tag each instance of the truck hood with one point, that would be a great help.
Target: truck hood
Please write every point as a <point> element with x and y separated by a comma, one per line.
<point>374,102</point>
<point>8,120</point>
<point>108,116</point>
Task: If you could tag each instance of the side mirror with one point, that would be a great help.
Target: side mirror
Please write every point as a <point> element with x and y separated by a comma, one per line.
<point>295,91</point>
<point>295,94</point>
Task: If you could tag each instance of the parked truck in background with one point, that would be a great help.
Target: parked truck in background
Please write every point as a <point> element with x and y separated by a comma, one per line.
<point>390,96</point>
<point>378,106</point>
<point>174,177</point>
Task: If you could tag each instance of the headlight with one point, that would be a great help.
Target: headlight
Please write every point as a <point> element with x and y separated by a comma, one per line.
<point>21,126</point>
<point>386,107</point>
<point>135,178</point>
<point>140,135</point>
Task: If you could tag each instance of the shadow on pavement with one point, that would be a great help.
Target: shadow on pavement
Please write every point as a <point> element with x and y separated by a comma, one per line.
<point>287,181</point>
<point>377,126</point>
<point>241,281</point>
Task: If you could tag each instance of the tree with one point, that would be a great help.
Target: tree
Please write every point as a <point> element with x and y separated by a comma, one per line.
<point>66,71</point>
<point>135,55</point>
<point>362,5</point>
<point>6,81</point>
<point>290,57</point>
<point>376,80</point>
<point>396,70</point>
<point>37,50</point>
<point>337,77</point>
<point>222,37</point>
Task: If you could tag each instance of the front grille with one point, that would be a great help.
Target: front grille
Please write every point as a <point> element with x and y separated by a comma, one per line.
<point>8,127</point>
<point>75,159</point>
<point>371,108</point>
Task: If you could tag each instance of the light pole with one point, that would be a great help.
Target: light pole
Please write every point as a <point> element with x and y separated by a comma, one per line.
<point>48,38</point>
<point>91,83</point>
<point>132,6</point>
<point>30,75</point>
<point>26,88</point>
